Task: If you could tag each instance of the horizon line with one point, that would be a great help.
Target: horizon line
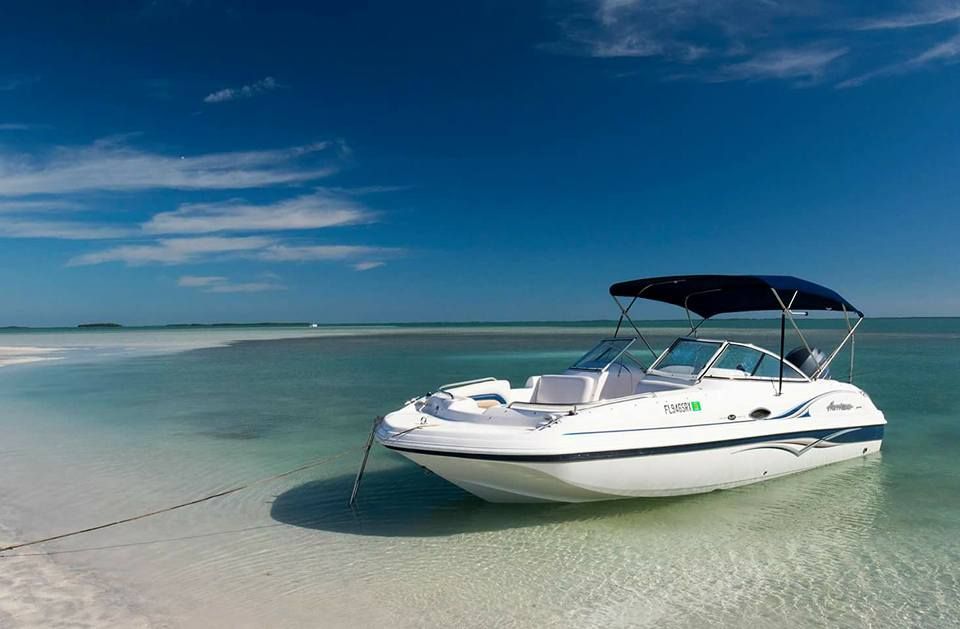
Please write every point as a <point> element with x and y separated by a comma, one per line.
<point>116,326</point>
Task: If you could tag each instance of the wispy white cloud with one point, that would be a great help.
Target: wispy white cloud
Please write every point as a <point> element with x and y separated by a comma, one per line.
<point>262,86</point>
<point>37,205</point>
<point>322,208</point>
<point>803,64</point>
<point>112,165</point>
<point>802,42</point>
<point>220,284</point>
<point>50,197</point>
<point>173,250</point>
<point>368,265</point>
<point>677,30</point>
<point>21,126</point>
<point>200,281</point>
<point>304,253</point>
<point>925,14</point>
<point>245,287</point>
<point>944,52</point>
<point>61,230</point>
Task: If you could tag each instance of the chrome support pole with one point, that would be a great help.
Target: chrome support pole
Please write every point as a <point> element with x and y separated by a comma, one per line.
<point>686,306</point>
<point>634,325</point>
<point>783,330</point>
<point>853,342</point>
<point>827,362</point>
<point>786,311</point>
<point>622,313</point>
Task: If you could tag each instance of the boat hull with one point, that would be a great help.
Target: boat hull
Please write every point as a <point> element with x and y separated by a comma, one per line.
<point>675,470</point>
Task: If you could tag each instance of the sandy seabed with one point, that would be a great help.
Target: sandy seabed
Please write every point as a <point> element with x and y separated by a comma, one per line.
<point>38,591</point>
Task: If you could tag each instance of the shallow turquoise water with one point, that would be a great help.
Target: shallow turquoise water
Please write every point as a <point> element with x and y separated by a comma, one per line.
<point>869,542</point>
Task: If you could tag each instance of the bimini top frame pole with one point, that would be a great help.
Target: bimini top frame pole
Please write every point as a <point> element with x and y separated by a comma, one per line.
<point>625,312</point>
<point>833,355</point>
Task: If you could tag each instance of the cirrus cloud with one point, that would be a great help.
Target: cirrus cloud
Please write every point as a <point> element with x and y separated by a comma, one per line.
<point>61,194</point>
<point>110,164</point>
<point>220,284</point>
<point>804,42</point>
<point>925,14</point>
<point>172,250</point>
<point>804,64</point>
<point>367,265</point>
<point>322,208</point>
<point>307,253</point>
<point>262,86</point>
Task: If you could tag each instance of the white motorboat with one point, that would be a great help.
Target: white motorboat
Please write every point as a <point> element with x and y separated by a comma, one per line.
<point>707,414</point>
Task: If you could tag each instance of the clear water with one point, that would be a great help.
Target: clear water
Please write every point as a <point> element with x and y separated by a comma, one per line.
<point>872,542</point>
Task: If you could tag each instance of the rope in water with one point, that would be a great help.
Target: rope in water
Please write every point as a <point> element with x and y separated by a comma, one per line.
<point>219,494</point>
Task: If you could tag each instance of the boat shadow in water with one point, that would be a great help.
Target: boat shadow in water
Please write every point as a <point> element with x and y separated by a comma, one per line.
<point>407,501</point>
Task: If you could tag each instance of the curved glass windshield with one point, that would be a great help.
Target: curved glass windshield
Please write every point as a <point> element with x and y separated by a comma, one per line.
<point>738,358</point>
<point>686,357</point>
<point>606,352</point>
<point>740,361</point>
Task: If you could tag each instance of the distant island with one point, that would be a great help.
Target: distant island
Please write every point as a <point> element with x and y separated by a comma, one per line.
<point>99,325</point>
<point>263,324</point>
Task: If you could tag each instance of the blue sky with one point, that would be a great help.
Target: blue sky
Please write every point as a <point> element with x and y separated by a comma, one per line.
<point>384,161</point>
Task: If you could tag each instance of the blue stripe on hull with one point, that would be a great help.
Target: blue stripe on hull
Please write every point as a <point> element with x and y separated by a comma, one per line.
<point>854,435</point>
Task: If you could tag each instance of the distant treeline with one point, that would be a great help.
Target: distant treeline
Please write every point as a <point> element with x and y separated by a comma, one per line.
<point>265,324</point>
<point>99,325</point>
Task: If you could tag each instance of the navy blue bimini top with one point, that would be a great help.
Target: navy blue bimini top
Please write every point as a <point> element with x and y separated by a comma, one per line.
<point>709,295</point>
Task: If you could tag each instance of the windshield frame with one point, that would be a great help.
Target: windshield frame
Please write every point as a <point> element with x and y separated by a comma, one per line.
<point>623,350</point>
<point>720,346</point>
<point>767,353</point>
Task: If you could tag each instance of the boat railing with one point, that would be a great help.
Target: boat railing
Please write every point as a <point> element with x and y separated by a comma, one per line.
<point>579,406</point>
<point>454,385</point>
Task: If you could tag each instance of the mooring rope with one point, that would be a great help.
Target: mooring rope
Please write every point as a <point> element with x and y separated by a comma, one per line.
<point>219,494</point>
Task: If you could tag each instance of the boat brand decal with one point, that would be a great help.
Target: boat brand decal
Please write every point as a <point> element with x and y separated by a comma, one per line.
<point>681,407</point>
<point>803,410</point>
<point>839,406</point>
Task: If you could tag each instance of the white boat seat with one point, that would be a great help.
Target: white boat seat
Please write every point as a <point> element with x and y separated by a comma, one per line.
<point>563,390</point>
<point>619,382</point>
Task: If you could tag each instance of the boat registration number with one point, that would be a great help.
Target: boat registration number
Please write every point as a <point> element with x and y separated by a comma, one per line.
<point>681,407</point>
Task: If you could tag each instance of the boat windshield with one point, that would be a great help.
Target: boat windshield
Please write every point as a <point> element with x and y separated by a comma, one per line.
<point>604,354</point>
<point>686,358</point>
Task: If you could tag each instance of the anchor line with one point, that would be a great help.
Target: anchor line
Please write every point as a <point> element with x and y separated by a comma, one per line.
<point>219,494</point>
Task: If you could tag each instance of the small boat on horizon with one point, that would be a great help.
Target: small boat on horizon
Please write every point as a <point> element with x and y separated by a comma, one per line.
<point>706,414</point>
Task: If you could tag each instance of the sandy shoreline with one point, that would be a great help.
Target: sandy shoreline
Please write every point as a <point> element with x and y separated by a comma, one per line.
<point>226,563</point>
<point>40,590</point>
<point>22,355</point>
<point>37,590</point>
